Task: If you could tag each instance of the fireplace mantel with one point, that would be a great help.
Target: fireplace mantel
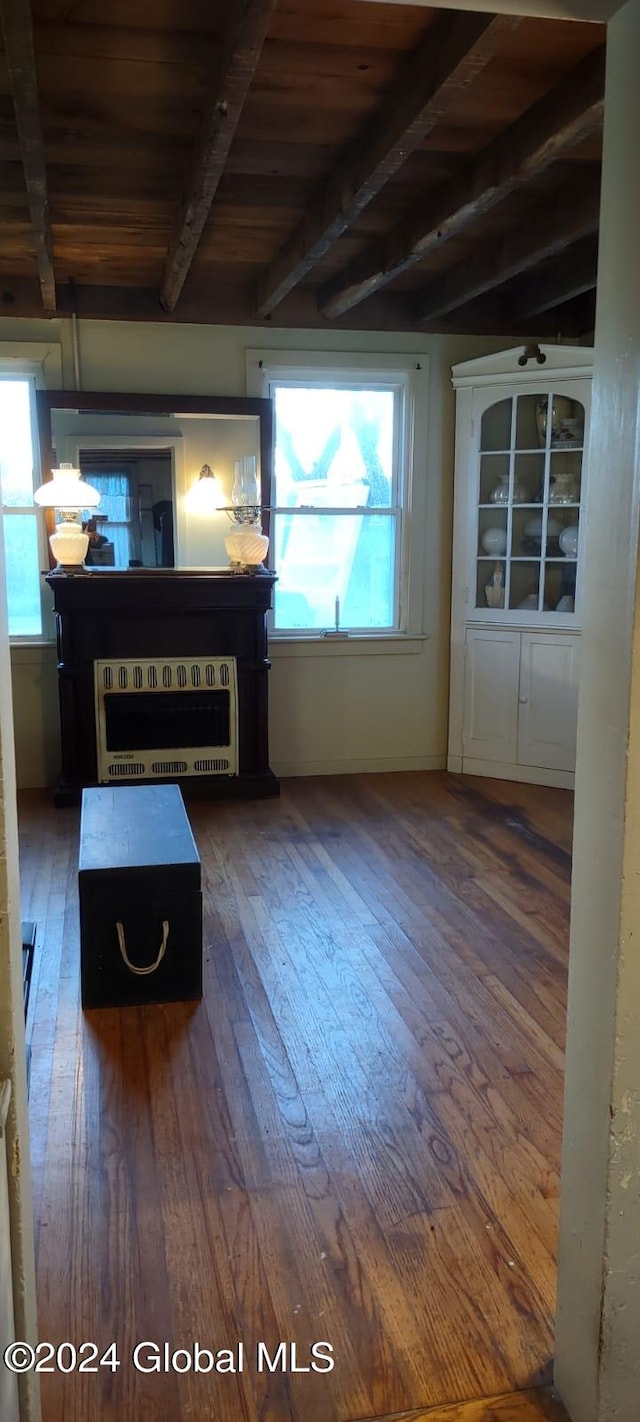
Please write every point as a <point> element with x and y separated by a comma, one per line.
<point>175,613</point>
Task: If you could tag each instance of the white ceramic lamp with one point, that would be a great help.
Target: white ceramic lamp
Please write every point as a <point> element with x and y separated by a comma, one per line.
<point>67,492</point>
<point>247,546</point>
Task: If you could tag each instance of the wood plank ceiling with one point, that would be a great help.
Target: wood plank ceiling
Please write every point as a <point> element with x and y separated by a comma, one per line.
<point>301,162</point>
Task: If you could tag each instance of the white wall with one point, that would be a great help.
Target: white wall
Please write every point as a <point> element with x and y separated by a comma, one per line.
<point>340,708</point>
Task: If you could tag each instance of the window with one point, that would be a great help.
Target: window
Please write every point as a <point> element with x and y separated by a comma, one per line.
<point>341,493</point>
<point>115,520</point>
<point>21,522</point>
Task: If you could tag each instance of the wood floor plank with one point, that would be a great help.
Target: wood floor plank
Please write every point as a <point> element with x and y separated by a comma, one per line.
<point>534,1405</point>
<point>355,1137</point>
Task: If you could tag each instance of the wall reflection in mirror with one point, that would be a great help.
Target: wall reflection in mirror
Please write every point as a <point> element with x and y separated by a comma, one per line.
<point>133,527</point>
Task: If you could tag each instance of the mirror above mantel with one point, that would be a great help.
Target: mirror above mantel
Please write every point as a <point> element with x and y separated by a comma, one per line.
<point>144,453</point>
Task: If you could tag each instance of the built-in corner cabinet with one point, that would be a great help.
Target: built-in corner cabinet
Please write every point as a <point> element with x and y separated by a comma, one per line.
<point>522,418</point>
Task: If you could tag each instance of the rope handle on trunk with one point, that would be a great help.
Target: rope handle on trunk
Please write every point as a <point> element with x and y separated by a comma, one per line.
<point>143,972</point>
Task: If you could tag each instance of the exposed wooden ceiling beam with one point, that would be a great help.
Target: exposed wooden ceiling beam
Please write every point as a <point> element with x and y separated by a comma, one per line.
<point>556,227</point>
<point>227,304</point>
<point>551,289</point>
<point>553,125</point>
<point>241,50</point>
<point>20,57</point>
<point>450,57</point>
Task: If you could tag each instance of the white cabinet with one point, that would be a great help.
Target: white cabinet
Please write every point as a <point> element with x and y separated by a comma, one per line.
<point>492,675</point>
<point>522,420</point>
<point>548,700</point>
<point>520,703</point>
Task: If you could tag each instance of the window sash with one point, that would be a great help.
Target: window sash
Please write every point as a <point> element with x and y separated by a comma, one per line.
<point>29,371</point>
<point>318,381</point>
<point>366,383</point>
<point>395,515</point>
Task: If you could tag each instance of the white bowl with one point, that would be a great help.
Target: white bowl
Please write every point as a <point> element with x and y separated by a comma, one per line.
<point>494,541</point>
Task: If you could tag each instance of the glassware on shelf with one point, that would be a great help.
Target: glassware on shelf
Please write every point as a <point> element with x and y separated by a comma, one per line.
<point>494,541</point>
<point>532,534</point>
<point>567,426</point>
<point>563,488</point>
<point>500,494</point>
<point>569,540</point>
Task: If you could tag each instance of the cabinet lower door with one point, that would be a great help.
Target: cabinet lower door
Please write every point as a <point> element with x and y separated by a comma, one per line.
<point>548,701</point>
<point>491,695</point>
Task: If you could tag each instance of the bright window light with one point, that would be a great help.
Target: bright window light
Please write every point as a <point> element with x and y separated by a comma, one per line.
<point>337,511</point>
<point>20,521</point>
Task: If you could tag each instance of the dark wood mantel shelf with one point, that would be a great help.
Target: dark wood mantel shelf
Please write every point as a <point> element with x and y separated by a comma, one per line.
<point>105,613</point>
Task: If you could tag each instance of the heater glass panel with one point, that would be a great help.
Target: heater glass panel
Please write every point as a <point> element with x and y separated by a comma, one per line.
<point>154,721</point>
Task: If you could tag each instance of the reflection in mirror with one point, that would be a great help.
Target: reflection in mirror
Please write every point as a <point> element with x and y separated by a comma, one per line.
<point>145,453</point>
<point>133,527</point>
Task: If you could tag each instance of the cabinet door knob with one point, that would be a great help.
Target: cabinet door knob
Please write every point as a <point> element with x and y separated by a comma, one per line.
<point>523,700</point>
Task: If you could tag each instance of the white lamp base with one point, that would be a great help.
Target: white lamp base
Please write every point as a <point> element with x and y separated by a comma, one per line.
<point>247,547</point>
<point>69,546</point>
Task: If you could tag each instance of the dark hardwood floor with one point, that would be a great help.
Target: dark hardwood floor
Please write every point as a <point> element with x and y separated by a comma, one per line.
<point>354,1138</point>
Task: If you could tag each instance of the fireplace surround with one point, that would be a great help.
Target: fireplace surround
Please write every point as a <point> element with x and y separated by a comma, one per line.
<point>164,674</point>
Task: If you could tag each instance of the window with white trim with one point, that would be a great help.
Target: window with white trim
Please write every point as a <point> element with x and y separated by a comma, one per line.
<point>22,523</point>
<point>341,492</point>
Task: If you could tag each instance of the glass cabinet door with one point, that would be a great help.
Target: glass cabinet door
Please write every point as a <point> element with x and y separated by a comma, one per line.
<point>529,490</point>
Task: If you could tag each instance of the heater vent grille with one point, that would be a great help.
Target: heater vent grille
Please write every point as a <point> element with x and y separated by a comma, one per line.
<point>177,696</point>
<point>167,676</point>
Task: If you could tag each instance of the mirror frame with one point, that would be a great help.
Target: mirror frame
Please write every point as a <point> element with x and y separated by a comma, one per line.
<point>109,402</point>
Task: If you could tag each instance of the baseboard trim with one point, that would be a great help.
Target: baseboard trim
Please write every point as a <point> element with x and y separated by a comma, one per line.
<point>290,769</point>
<point>526,774</point>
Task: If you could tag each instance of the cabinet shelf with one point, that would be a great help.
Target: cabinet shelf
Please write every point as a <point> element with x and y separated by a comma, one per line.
<point>539,505</point>
<point>510,506</point>
<point>563,448</point>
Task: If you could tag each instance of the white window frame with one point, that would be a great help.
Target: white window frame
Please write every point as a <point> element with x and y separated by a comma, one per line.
<point>41,364</point>
<point>409,375</point>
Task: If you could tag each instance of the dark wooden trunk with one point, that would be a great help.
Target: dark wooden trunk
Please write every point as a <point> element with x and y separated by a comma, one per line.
<point>138,867</point>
